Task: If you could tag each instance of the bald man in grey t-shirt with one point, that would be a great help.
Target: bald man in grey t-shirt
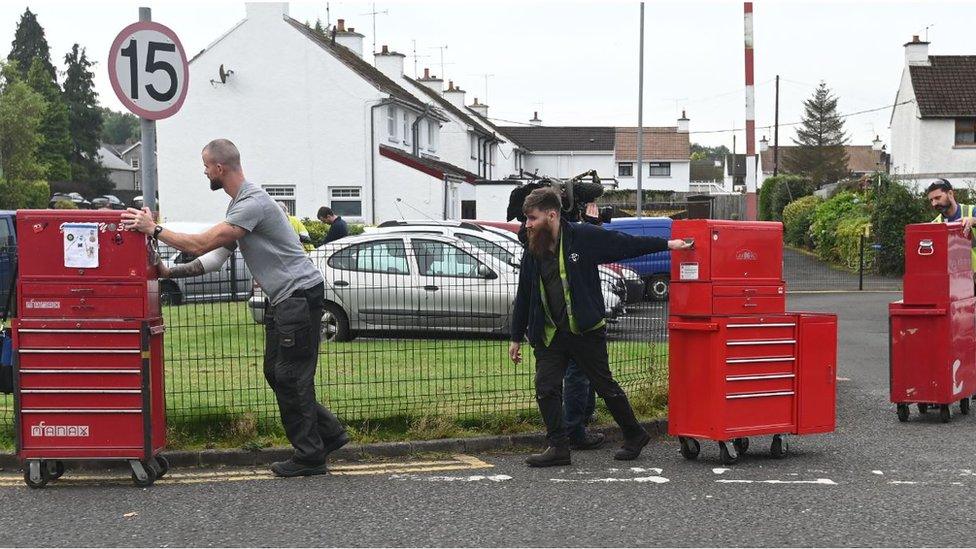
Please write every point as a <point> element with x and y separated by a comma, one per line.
<point>296,291</point>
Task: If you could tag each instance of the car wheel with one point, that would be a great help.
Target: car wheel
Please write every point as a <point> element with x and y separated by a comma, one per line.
<point>335,324</point>
<point>658,288</point>
<point>169,294</point>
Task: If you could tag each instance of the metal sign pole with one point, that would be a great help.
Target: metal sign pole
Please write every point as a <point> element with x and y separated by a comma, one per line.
<point>147,154</point>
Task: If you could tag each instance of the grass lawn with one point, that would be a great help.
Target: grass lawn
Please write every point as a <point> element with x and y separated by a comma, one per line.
<point>386,389</point>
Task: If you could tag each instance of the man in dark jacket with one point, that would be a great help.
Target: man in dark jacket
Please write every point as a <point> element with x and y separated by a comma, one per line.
<point>337,225</point>
<point>559,306</point>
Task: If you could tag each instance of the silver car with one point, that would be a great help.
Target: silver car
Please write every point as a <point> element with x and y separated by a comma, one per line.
<point>412,283</point>
<point>231,283</point>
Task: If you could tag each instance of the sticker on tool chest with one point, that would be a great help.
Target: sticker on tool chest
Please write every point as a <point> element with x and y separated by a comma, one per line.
<point>688,271</point>
<point>80,245</point>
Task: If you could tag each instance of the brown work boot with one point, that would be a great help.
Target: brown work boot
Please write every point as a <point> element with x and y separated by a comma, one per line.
<point>553,456</point>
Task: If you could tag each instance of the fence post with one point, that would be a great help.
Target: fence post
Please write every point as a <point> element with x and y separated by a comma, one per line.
<point>860,277</point>
<point>233,276</point>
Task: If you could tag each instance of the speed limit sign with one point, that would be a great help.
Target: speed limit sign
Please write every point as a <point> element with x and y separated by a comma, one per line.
<point>148,70</point>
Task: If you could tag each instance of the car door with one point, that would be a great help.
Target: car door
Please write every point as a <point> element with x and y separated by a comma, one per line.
<point>8,257</point>
<point>374,282</point>
<point>462,291</point>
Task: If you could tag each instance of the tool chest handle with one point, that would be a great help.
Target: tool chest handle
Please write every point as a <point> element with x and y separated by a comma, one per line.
<point>693,326</point>
<point>918,312</point>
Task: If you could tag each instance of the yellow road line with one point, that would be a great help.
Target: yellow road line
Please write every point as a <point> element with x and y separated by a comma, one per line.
<point>459,462</point>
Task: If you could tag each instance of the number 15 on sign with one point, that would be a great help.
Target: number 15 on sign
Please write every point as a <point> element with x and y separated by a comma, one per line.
<point>148,70</point>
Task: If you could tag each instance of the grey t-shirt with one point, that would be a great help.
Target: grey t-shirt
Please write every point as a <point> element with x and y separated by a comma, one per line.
<point>272,253</point>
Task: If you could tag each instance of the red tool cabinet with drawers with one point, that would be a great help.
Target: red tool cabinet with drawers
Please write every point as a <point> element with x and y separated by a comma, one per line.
<point>89,346</point>
<point>739,364</point>
<point>932,353</point>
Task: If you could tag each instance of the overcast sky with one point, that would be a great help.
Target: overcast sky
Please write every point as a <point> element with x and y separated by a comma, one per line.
<point>576,62</point>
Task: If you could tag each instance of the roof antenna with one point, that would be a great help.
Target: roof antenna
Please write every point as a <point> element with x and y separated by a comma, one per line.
<point>926,29</point>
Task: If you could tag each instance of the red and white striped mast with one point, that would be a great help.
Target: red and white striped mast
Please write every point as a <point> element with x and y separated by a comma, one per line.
<point>751,163</point>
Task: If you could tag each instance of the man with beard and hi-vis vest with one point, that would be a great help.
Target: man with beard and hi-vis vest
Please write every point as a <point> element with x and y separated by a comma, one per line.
<point>943,199</point>
<point>559,306</point>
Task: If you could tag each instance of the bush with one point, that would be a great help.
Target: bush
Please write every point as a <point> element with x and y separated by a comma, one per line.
<point>895,207</point>
<point>797,217</point>
<point>850,230</point>
<point>826,218</point>
<point>317,230</point>
<point>777,192</point>
<point>15,195</point>
<point>65,205</point>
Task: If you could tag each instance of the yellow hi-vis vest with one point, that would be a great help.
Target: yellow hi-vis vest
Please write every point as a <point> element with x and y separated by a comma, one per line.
<point>967,211</point>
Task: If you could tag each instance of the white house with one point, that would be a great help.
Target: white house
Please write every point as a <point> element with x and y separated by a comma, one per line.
<point>122,175</point>
<point>316,125</point>
<point>933,121</point>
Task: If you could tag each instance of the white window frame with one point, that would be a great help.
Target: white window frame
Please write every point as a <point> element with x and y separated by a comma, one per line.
<point>432,135</point>
<point>347,194</point>
<point>651,165</point>
<point>283,193</point>
<point>134,162</point>
<point>474,147</point>
<point>621,165</point>
<point>391,122</point>
<point>407,137</point>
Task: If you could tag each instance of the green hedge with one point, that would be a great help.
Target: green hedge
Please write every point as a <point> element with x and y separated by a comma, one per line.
<point>15,195</point>
<point>826,219</point>
<point>896,207</point>
<point>797,217</point>
<point>778,191</point>
<point>318,230</point>
<point>848,242</point>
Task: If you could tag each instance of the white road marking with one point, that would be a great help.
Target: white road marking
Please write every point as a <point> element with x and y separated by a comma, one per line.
<point>824,481</point>
<point>471,478</point>
<point>902,482</point>
<point>652,479</point>
<point>720,470</point>
<point>878,472</point>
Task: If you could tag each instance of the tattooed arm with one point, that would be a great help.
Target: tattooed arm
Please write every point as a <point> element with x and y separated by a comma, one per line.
<point>207,263</point>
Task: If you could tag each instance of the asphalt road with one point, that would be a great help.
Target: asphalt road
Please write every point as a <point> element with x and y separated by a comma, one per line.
<point>874,481</point>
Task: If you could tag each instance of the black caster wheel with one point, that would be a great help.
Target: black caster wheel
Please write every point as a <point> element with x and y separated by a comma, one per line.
<point>55,469</point>
<point>923,408</point>
<point>779,448</point>
<point>45,474</point>
<point>150,475</point>
<point>964,406</point>
<point>741,445</point>
<point>729,457</point>
<point>162,467</point>
<point>689,448</point>
<point>945,414</point>
<point>903,413</point>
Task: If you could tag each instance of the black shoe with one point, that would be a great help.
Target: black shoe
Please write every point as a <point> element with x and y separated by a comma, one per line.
<point>632,448</point>
<point>590,441</point>
<point>336,442</point>
<point>292,468</point>
<point>552,457</point>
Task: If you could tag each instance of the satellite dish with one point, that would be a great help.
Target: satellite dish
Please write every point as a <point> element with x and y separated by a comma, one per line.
<point>223,75</point>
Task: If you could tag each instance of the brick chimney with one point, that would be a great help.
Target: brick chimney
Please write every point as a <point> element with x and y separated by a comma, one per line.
<point>432,82</point>
<point>454,95</point>
<point>917,52</point>
<point>479,108</point>
<point>536,121</point>
<point>389,63</point>
<point>683,123</point>
<point>348,38</point>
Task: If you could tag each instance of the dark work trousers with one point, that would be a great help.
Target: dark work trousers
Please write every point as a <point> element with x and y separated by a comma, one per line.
<point>589,351</point>
<point>579,402</point>
<point>291,355</point>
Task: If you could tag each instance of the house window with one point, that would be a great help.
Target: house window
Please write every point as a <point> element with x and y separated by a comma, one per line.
<point>474,147</point>
<point>966,131</point>
<point>659,169</point>
<point>491,153</point>
<point>346,201</point>
<point>625,169</point>
<point>391,122</point>
<point>135,162</point>
<point>406,129</point>
<point>284,194</point>
<point>136,183</point>
<point>469,209</point>
<point>431,135</point>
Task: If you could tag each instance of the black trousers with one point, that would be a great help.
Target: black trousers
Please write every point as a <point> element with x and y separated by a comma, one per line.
<point>291,352</point>
<point>589,350</point>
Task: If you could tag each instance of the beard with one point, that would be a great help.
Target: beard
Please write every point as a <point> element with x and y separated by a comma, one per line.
<point>216,184</point>
<point>943,208</point>
<point>540,241</point>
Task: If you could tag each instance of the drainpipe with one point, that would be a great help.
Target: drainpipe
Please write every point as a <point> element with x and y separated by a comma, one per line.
<point>446,184</point>
<point>372,156</point>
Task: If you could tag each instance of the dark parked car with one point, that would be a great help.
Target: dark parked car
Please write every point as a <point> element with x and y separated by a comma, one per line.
<point>654,269</point>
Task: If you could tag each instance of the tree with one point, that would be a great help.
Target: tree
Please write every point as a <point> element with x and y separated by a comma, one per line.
<point>54,151</point>
<point>21,112</point>
<point>85,121</point>
<point>119,127</point>
<point>820,141</point>
<point>319,29</point>
<point>701,152</point>
<point>29,44</point>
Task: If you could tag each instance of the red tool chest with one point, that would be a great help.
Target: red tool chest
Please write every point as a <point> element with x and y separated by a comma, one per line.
<point>736,267</point>
<point>89,346</point>
<point>734,377</point>
<point>932,338</point>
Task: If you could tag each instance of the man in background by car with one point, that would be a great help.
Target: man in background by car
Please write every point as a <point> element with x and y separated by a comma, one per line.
<point>298,227</point>
<point>560,307</point>
<point>337,225</point>
<point>294,286</point>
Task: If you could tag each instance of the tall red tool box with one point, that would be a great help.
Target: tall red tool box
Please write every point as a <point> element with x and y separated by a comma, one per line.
<point>89,346</point>
<point>736,267</point>
<point>740,365</point>
<point>932,353</point>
